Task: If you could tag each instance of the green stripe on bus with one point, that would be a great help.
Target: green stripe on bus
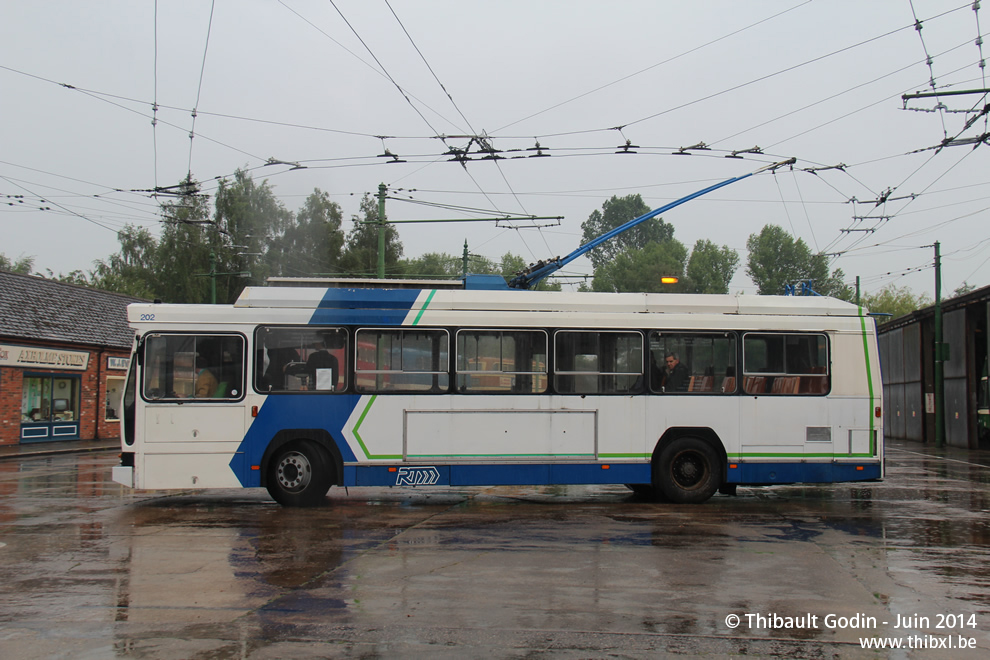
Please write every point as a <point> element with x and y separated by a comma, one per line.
<point>869,379</point>
<point>425,305</point>
<point>787,455</point>
<point>501,456</point>
<point>357,435</point>
<point>625,455</point>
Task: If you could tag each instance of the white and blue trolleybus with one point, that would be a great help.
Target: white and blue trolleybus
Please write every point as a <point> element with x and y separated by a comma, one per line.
<point>297,389</point>
<point>405,383</point>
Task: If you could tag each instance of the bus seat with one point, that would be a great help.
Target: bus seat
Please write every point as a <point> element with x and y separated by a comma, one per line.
<point>785,385</point>
<point>700,384</point>
<point>755,384</point>
<point>729,384</point>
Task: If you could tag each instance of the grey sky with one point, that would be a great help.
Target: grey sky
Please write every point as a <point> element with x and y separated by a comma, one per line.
<point>819,80</point>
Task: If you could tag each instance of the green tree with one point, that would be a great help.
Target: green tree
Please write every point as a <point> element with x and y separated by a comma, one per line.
<point>181,259</point>
<point>76,277</point>
<point>963,289</point>
<point>710,267</point>
<point>22,265</point>
<point>249,219</point>
<point>248,237</point>
<point>438,265</point>
<point>443,265</point>
<point>894,300</point>
<point>132,270</point>
<point>176,266</point>
<point>829,284</point>
<point>511,265</point>
<point>640,269</point>
<point>777,260</point>
<point>360,257</point>
<point>615,212</point>
<point>311,242</point>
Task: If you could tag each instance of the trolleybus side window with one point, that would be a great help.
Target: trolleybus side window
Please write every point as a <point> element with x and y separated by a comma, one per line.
<point>391,360</point>
<point>693,362</point>
<point>198,367</point>
<point>300,359</point>
<point>785,363</point>
<point>502,361</point>
<point>593,362</point>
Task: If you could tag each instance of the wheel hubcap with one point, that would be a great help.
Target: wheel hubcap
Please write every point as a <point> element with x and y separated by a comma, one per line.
<point>294,471</point>
<point>688,469</point>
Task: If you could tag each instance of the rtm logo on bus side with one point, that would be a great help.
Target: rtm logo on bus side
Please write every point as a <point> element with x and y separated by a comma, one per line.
<point>417,476</point>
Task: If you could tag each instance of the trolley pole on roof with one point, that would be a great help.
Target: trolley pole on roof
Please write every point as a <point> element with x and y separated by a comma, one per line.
<point>530,277</point>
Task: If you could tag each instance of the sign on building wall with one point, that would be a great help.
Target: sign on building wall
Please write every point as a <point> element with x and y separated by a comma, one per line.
<point>118,363</point>
<point>40,357</point>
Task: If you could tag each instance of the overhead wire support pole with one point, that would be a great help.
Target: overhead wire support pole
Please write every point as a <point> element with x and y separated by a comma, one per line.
<point>213,274</point>
<point>540,270</point>
<point>940,355</point>
<point>381,230</point>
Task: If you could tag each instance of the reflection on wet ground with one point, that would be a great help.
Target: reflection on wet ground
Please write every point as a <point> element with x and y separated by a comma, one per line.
<point>92,570</point>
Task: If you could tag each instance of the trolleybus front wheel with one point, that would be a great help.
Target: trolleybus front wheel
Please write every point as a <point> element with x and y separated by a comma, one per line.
<point>299,474</point>
<point>687,471</point>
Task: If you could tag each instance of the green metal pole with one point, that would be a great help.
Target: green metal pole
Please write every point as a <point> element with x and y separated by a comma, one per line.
<point>939,355</point>
<point>464,261</point>
<point>857,291</point>
<point>381,231</point>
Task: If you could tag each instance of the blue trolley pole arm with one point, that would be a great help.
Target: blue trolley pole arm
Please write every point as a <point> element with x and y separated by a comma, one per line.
<point>530,277</point>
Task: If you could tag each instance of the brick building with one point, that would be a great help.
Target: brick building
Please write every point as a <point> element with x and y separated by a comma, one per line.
<point>64,352</point>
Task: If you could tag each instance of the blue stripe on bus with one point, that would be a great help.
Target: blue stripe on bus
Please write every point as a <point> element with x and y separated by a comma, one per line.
<point>511,474</point>
<point>797,473</point>
<point>372,317</point>
<point>364,306</point>
<point>292,411</point>
<point>533,474</point>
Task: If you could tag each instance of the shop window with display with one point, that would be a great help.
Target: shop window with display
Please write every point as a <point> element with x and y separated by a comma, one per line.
<point>50,407</point>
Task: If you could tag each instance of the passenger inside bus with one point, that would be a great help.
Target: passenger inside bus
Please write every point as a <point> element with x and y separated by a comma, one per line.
<point>322,367</point>
<point>676,375</point>
<point>206,380</point>
<point>278,359</point>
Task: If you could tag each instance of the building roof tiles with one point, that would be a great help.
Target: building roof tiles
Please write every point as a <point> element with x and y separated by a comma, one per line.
<point>41,309</point>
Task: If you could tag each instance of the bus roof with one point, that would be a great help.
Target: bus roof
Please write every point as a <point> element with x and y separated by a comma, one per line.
<point>513,300</point>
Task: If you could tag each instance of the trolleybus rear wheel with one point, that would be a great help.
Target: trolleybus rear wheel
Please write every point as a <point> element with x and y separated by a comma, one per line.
<point>687,470</point>
<point>299,474</point>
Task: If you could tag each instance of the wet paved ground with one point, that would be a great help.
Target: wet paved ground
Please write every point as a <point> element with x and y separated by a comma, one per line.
<point>89,569</point>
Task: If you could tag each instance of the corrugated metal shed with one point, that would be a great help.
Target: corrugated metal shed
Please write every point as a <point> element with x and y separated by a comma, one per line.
<point>908,365</point>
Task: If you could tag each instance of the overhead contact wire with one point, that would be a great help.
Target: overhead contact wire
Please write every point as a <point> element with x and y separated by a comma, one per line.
<point>199,87</point>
